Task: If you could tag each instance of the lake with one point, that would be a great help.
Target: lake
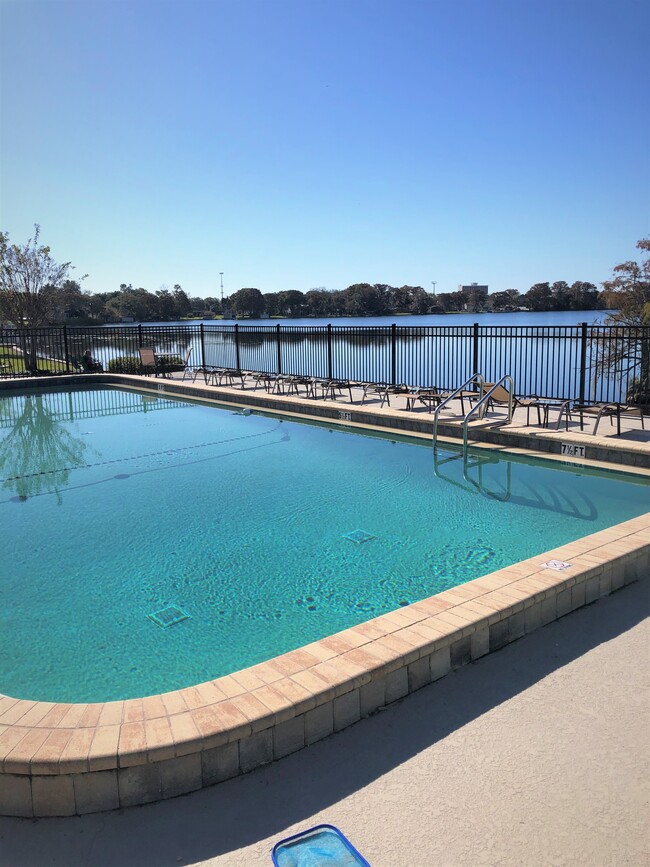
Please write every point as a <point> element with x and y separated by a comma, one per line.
<point>524,317</point>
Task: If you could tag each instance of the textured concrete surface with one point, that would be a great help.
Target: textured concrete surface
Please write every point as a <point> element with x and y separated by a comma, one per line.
<point>536,755</point>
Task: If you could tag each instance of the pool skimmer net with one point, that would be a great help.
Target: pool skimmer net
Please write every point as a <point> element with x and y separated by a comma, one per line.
<point>359,536</point>
<point>168,616</point>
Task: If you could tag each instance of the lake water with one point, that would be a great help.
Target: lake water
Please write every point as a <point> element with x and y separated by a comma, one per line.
<point>524,317</point>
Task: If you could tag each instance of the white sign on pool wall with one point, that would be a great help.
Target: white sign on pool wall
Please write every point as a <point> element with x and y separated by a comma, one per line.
<point>573,451</point>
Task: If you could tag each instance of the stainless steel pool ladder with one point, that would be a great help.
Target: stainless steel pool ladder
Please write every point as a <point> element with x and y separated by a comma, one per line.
<point>473,380</point>
<point>481,405</point>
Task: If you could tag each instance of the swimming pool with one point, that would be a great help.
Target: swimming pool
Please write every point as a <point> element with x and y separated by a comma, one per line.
<point>165,543</point>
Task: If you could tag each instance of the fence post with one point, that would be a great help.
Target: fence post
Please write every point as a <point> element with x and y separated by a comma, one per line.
<point>65,348</point>
<point>279,347</point>
<point>329,350</point>
<point>583,361</point>
<point>139,336</point>
<point>202,346</point>
<point>237,357</point>
<point>475,350</point>
<point>393,354</point>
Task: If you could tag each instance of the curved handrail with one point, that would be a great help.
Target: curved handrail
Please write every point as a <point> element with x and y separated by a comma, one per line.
<point>484,400</point>
<point>475,377</point>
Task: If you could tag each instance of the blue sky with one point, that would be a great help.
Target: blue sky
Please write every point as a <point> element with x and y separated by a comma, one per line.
<point>293,144</point>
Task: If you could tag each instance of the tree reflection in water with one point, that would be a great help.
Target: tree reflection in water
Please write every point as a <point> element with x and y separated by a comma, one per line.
<point>38,453</point>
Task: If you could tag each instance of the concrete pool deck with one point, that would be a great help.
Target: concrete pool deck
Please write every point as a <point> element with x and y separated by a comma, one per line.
<point>61,759</point>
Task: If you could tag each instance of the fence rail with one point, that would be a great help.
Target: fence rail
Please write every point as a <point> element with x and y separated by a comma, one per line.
<point>582,361</point>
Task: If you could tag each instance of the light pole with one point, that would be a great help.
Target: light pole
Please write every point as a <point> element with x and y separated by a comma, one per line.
<point>434,283</point>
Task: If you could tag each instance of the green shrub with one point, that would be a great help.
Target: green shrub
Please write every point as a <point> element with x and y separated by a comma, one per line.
<point>124,364</point>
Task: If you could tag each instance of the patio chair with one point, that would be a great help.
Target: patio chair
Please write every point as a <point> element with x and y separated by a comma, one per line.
<point>149,362</point>
<point>190,371</point>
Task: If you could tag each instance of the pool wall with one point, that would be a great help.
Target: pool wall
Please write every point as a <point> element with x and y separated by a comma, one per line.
<point>67,759</point>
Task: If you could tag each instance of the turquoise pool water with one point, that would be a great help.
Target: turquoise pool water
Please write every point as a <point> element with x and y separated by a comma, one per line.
<point>122,512</point>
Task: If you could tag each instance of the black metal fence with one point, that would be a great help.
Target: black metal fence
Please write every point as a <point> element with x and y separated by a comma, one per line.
<point>577,361</point>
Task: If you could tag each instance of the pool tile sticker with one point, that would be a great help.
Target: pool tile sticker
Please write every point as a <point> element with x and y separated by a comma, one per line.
<point>359,536</point>
<point>168,616</point>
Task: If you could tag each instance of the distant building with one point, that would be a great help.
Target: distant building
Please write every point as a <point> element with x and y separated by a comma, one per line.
<point>473,287</point>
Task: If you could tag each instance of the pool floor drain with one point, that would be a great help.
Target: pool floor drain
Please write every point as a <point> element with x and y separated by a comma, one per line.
<point>359,536</point>
<point>168,616</point>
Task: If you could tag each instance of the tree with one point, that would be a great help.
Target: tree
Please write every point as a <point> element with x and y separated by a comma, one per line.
<point>629,357</point>
<point>290,302</point>
<point>248,302</point>
<point>31,282</point>
<point>629,290</point>
<point>451,302</point>
<point>560,293</point>
<point>166,304</point>
<point>183,305</point>
<point>539,297</point>
<point>508,300</point>
<point>212,304</point>
<point>476,301</point>
<point>136,304</point>
<point>363,299</point>
<point>584,296</point>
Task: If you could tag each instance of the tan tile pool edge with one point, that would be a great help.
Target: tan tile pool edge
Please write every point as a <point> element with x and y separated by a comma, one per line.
<point>66,759</point>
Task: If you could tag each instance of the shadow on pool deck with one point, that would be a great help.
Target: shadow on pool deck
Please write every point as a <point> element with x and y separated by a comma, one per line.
<point>262,804</point>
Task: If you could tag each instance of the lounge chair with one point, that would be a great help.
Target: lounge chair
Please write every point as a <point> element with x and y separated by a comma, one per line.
<point>430,397</point>
<point>309,383</point>
<point>598,410</point>
<point>228,376</point>
<point>266,380</point>
<point>330,388</point>
<point>383,391</point>
<point>501,397</point>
